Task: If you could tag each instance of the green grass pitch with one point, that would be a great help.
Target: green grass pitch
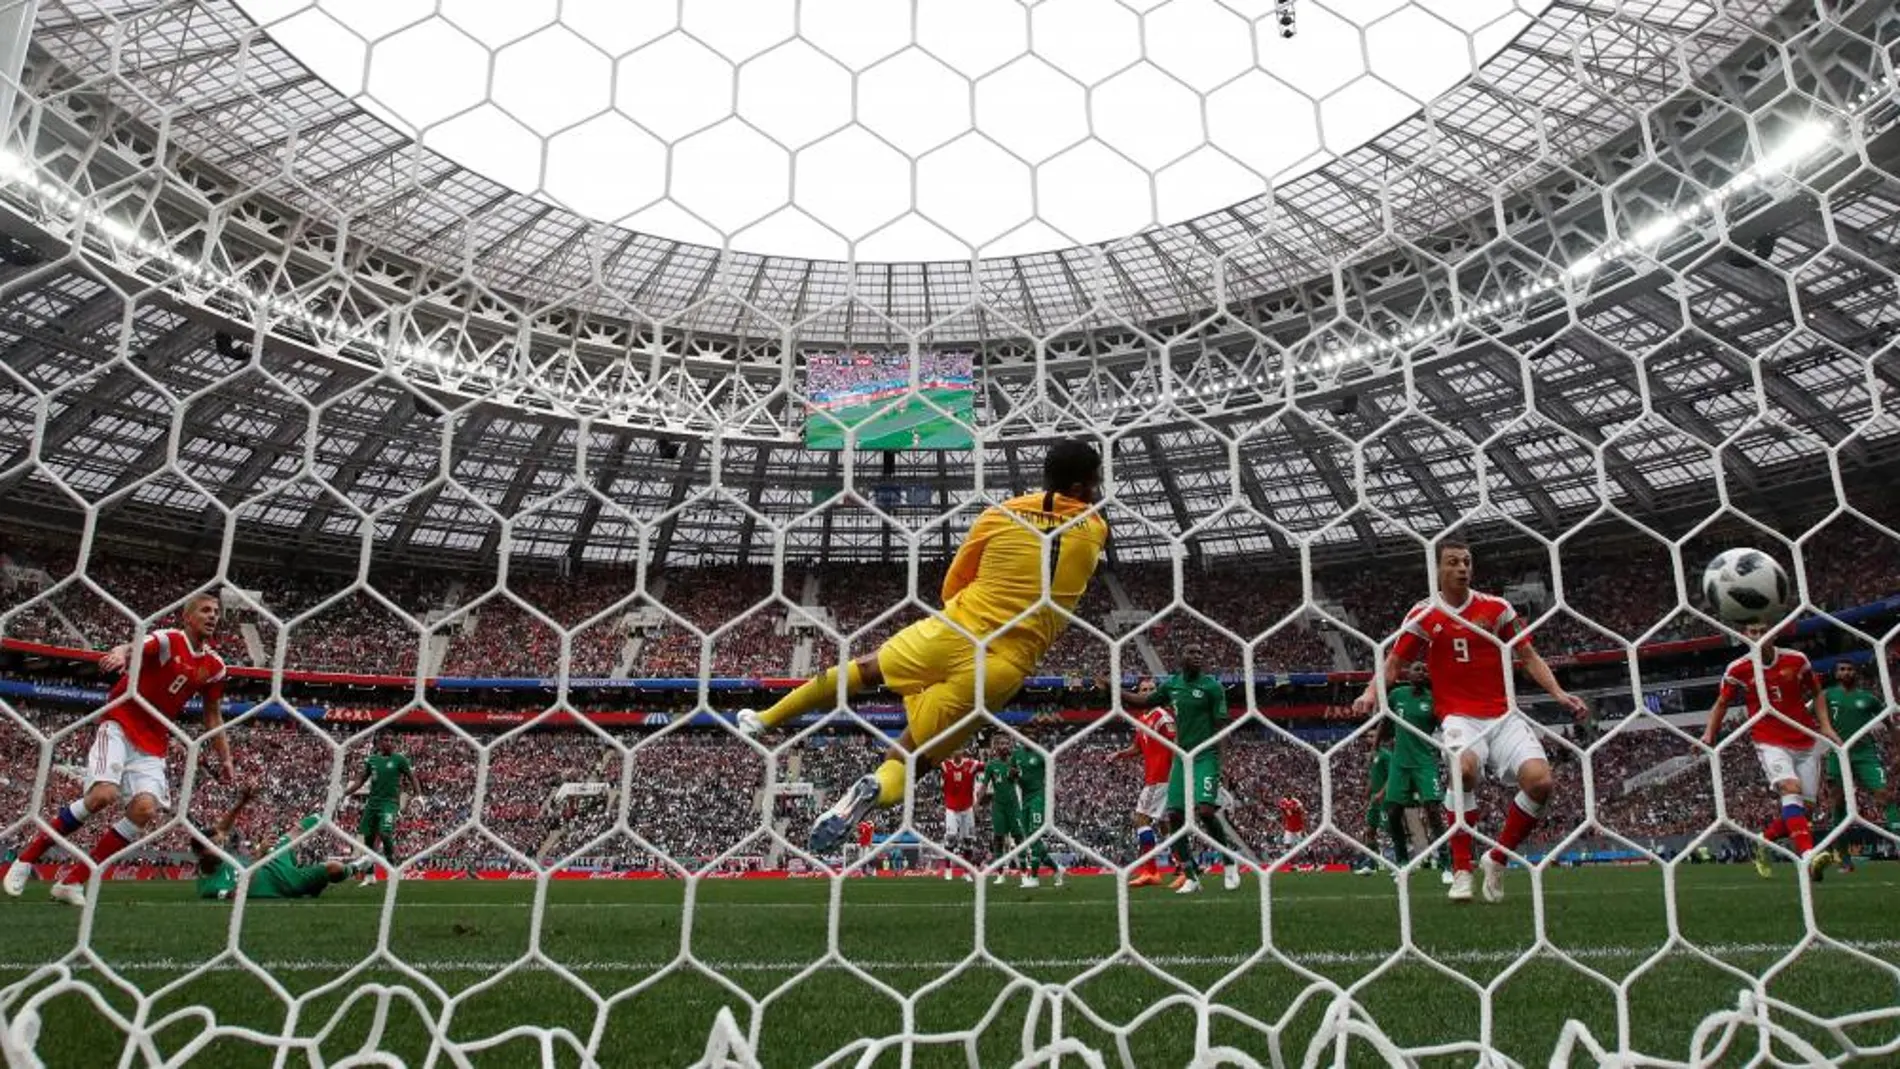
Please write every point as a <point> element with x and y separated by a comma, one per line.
<point>760,939</point>
<point>894,424</point>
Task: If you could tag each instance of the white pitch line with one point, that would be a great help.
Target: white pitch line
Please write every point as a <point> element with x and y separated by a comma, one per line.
<point>1326,957</point>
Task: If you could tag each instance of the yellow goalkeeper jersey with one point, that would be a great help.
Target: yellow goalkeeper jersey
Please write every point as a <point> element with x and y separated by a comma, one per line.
<point>998,572</point>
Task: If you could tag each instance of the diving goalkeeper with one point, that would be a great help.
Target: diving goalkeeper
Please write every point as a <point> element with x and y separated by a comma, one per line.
<point>996,592</point>
<point>220,858</point>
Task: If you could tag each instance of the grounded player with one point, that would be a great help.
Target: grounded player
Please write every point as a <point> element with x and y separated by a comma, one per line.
<point>1199,701</point>
<point>1462,638</point>
<point>127,758</point>
<point>1784,730</point>
<point>1154,732</point>
<point>387,773</point>
<point>959,812</point>
<point>1029,770</point>
<point>1021,569</point>
<point>1000,790</point>
<point>220,859</point>
<point>1852,707</point>
<point>1412,780</point>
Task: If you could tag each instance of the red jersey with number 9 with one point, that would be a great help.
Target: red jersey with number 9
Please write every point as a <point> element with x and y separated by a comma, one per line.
<point>1791,687</point>
<point>171,673</point>
<point>1157,757</point>
<point>1455,642</point>
<point>959,783</point>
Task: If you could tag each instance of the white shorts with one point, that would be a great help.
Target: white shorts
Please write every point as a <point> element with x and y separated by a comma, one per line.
<point>1152,802</point>
<point>959,823</point>
<point>1291,838</point>
<point>1503,744</point>
<point>1780,763</point>
<point>116,761</point>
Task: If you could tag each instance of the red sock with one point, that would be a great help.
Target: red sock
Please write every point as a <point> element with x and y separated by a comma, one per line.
<point>1460,843</point>
<point>1802,834</point>
<point>1519,819</point>
<point>1777,830</point>
<point>40,844</point>
<point>111,842</point>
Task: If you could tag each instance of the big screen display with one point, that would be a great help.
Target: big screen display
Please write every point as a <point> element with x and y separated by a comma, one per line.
<point>871,391</point>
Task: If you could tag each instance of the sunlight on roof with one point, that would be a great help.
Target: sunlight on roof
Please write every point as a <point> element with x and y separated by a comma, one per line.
<point>835,127</point>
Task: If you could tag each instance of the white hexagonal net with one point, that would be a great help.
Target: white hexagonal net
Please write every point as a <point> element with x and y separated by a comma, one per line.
<point>538,383</point>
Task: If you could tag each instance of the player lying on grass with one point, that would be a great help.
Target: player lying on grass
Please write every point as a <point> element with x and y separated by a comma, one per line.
<point>221,858</point>
<point>996,591</point>
<point>1788,721</point>
<point>127,759</point>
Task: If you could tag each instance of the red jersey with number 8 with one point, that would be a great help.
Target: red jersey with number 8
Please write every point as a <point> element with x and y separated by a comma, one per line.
<point>1455,642</point>
<point>1791,687</point>
<point>1157,757</point>
<point>171,673</point>
<point>959,783</point>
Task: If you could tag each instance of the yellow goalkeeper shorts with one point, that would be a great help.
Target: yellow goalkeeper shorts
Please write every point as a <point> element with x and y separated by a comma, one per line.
<point>933,666</point>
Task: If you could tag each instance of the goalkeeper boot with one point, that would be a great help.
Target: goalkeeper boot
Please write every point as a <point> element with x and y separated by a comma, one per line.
<point>749,724</point>
<point>1188,887</point>
<point>1762,868</point>
<point>70,893</point>
<point>17,874</point>
<point>835,825</point>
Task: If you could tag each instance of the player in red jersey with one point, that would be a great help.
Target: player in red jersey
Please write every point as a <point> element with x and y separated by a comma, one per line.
<point>866,832</point>
<point>128,748</point>
<point>1462,638</point>
<point>1154,731</point>
<point>1292,821</point>
<point>959,810</point>
<point>1787,718</point>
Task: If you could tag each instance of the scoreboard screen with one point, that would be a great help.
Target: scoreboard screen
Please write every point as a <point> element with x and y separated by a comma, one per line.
<point>871,392</point>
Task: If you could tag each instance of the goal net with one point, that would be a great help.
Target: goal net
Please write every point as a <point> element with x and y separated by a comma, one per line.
<point>535,386</point>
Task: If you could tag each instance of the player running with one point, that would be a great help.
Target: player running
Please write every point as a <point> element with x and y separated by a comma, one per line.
<point>1020,570</point>
<point>1154,732</point>
<point>959,810</point>
<point>387,773</point>
<point>220,858</point>
<point>1852,708</point>
<point>1029,770</point>
<point>999,789</point>
<point>1784,730</point>
<point>127,759</point>
<point>1462,638</point>
<point>1412,780</point>
<point>1199,701</point>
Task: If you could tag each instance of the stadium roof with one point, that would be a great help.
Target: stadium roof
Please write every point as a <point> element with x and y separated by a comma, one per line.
<point>371,340</point>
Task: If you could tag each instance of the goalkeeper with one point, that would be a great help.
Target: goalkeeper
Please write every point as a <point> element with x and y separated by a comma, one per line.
<point>998,591</point>
<point>221,859</point>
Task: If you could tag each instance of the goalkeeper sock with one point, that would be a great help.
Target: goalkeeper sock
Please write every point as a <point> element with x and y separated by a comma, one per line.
<point>1144,846</point>
<point>816,693</point>
<point>66,821</point>
<point>890,782</point>
<point>1795,815</point>
<point>1519,820</point>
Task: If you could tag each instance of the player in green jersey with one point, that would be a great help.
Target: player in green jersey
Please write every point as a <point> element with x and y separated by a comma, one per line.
<point>1029,769</point>
<point>1377,815</point>
<point>997,784</point>
<point>1199,702</point>
<point>387,773</point>
<point>220,859</point>
<point>1412,779</point>
<point>1853,707</point>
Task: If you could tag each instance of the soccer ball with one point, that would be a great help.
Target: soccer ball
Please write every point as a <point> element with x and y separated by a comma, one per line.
<point>1745,586</point>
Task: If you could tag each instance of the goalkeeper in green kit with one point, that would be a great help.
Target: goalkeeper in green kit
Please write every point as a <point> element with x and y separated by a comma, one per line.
<point>387,773</point>
<point>220,859</point>
<point>1853,707</point>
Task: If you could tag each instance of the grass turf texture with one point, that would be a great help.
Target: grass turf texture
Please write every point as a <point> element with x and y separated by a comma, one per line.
<point>760,935</point>
<point>890,424</point>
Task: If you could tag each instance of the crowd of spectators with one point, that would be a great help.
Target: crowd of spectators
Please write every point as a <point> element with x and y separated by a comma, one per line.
<point>754,641</point>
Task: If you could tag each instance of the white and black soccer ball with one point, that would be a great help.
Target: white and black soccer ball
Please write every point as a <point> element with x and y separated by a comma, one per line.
<point>1745,586</point>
